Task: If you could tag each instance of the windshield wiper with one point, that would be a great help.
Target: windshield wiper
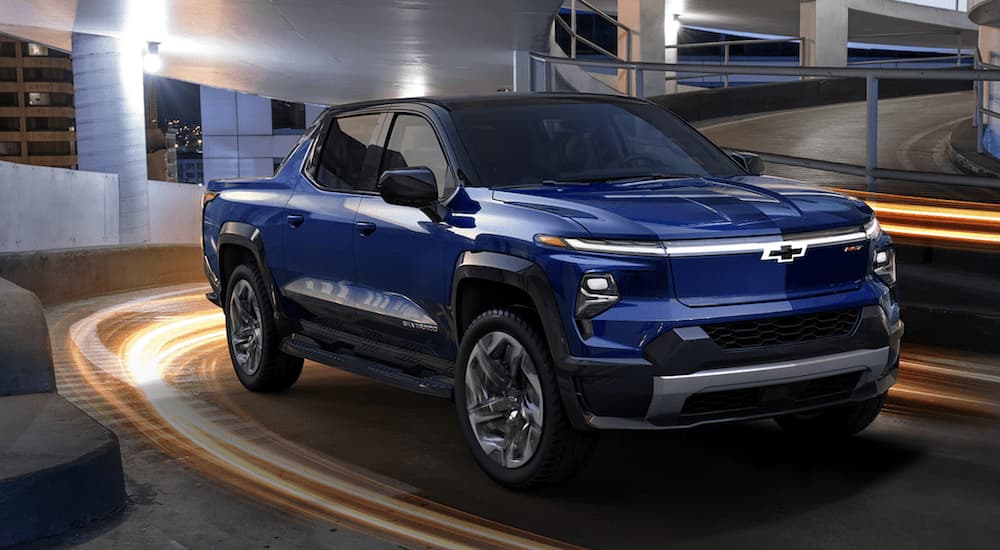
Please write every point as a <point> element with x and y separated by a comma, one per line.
<point>551,182</point>
<point>652,176</point>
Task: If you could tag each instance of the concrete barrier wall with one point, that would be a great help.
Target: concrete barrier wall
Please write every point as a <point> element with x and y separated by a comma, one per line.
<point>25,353</point>
<point>45,208</point>
<point>59,276</point>
<point>174,212</point>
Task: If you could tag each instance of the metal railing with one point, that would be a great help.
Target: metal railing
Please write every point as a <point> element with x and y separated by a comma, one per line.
<point>870,170</point>
<point>575,37</point>
<point>726,44</point>
<point>903,60</point>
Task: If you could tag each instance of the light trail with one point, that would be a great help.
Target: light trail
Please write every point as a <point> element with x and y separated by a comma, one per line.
<point>260,464</point>
<point>147,359</point>
<point>938,221</point>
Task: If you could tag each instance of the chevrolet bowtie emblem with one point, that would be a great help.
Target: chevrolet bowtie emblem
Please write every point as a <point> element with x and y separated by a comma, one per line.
<point>783,252</point>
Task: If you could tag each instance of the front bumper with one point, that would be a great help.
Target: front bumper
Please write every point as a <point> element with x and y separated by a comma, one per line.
<point>761,391</point>
<point>686,380</point>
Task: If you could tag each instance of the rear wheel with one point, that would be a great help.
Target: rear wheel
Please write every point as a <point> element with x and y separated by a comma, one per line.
<point>839,421</point>
<point>254,341</point>
<point>509,406</point>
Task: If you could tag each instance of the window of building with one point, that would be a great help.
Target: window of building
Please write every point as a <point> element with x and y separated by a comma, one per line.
<point>49,124</point>
<point>31,49</point>
<point>287,116</point>
<point>347,162</point>
<point>46,99</point>
<point>10,148</point>
<point>8,49</point>
<point>10,124</point>
<point>49,148</point>
<point>46,74</point>
<point>413,143</point>
<point>35,50</point>
<point>8,99</point>
<point>8,74</point>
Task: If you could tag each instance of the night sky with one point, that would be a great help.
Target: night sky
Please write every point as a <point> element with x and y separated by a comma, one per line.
<point>177,99</point>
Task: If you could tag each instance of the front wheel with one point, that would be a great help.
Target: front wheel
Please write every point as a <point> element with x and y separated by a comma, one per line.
<point>838,421</point>
<point>509,407</point>
<point>254,341</point>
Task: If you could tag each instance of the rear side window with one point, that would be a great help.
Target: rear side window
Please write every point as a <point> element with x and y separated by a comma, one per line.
<point>413,143</point>
<point>345,162</point>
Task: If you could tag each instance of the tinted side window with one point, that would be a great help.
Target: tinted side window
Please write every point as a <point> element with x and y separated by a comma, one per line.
<point>413,143</point>
<point>342,160</point>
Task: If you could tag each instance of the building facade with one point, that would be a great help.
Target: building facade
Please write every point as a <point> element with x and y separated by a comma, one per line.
<point>246,135</point>
<point>37,115</point>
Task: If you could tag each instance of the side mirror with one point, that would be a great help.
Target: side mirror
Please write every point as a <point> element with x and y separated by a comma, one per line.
<point>414,187</point>
<point>749,162</point>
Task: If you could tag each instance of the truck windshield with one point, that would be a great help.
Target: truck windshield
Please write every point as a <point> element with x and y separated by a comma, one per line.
<point>549,141</point>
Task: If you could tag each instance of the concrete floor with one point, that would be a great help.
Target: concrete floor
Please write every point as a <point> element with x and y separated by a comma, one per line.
<point>924,476</point>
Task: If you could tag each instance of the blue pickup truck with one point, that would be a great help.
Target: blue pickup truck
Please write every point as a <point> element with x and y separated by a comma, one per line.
<point>557,265</point>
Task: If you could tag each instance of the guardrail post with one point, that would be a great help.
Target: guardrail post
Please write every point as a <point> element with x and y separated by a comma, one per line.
<point>725,63</point>
<point>979,120</point>
<point>640,86</point>
<point>572,26</point>
<point>532,67</point>
<point>802,54</point>
<point>958,44</point>
<point>871,132</point>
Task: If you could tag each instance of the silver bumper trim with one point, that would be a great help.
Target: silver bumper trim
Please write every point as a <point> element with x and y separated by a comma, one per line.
<point>670,392</point>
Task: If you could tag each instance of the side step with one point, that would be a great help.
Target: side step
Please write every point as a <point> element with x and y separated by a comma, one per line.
<point>437,386</point>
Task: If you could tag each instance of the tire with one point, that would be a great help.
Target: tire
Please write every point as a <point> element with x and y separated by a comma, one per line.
<point>838,421</point>
<point>254,341</point>
<point>546,449</point>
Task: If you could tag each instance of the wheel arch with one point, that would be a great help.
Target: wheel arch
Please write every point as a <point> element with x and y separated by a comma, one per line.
<point>241,243</point>
<point>512,280</point>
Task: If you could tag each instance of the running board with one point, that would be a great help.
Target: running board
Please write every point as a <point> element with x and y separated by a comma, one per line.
<point>436,386</point>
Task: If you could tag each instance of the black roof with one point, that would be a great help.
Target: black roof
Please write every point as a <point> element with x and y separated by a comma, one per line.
<point>499,98</point>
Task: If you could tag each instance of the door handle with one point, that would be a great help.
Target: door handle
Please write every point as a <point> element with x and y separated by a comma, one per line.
<point>365,228</point>
<point>295,220</point>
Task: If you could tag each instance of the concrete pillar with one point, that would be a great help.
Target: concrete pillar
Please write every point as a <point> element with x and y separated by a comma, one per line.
<point>646,19</point>
<point>110,124</point>
<point>521,77</point>
<point>823,25</point>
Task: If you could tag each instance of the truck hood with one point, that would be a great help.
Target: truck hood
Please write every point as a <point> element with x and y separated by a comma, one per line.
<point>693,208</point>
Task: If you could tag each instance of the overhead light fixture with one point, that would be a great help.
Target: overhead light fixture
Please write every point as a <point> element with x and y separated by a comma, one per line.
<point>151,58</point>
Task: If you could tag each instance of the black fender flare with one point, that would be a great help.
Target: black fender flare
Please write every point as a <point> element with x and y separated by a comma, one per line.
<point>528,277</point>
<point>247,236</point>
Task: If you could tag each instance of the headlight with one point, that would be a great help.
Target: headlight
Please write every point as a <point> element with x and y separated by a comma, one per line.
<point>884,265</point>
<point>602,246</point>
<point>872,229</point>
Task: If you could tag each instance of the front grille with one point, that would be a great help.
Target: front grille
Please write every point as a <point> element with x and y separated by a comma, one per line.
<point>776,331</point>
<point>764,399</point>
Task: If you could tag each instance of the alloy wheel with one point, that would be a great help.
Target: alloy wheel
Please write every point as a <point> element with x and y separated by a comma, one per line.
<point>245,332</point>
<point>504,399</point>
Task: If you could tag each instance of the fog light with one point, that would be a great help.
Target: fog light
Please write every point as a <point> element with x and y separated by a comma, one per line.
<point>884,265</point>
<point>597,284</point>
<point>597,293</point>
